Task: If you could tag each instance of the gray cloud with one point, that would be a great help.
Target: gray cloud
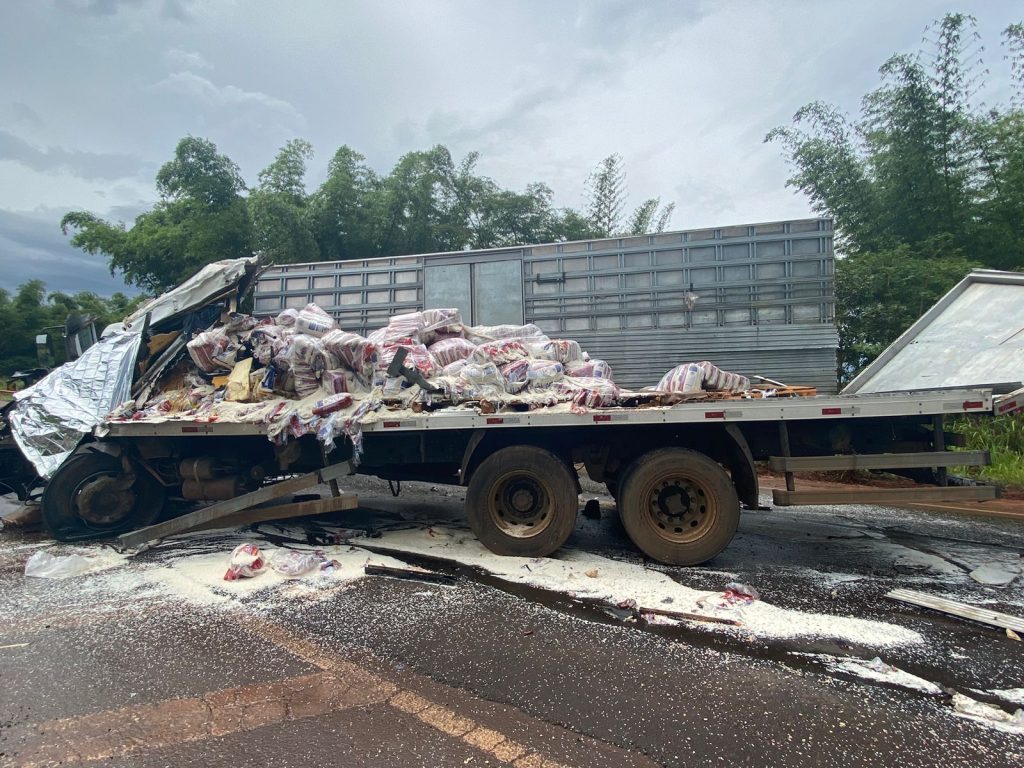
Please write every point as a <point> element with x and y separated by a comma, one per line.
<point>32,247</point>
<point>23,115</point>
<point>97,7</point>
<point>228,97</point>
<point>177,10</point>
<point>190,61</point>
<point>87,165</point>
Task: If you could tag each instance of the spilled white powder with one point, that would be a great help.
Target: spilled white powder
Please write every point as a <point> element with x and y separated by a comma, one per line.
<point>617,581</point>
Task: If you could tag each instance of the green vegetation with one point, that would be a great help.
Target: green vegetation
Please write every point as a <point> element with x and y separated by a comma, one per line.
<point>925,184</point>
<point>31,310</point>
<point>427,203</point>
<point>1003,438</point>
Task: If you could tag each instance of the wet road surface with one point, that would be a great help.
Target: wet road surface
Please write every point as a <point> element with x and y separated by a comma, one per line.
<point>153,661</point>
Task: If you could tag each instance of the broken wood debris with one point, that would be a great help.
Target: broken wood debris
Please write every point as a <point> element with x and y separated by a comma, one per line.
<point>683,615</point>
<point>960,610</point>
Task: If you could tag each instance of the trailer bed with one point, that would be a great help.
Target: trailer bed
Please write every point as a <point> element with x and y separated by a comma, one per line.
<point>739,410</point>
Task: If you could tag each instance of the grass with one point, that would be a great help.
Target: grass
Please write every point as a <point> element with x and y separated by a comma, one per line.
<point>1003,438</point>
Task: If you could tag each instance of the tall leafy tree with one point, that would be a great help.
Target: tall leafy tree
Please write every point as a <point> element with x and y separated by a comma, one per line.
<point>606,195</point>
<point>923,185</point>
<point>201,217</point>
<point>278,208</point>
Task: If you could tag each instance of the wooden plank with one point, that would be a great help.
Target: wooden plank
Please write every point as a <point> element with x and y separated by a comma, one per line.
<point>684,615</point>
<point>337,503</point>
<point>960,610</point>
<point>921,460</point>
<point>869,495</point>
<point>223,509</point>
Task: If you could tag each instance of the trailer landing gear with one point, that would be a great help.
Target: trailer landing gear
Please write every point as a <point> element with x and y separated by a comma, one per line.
<point>678,506</point>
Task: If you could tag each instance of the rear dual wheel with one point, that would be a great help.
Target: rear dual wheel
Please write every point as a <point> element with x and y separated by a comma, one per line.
<point>678,506</point>
<point>522,500</point>
<point>91,497</point>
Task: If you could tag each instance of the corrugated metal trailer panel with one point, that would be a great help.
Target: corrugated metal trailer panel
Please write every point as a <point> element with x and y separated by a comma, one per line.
<point>764,296</point>
<point>803,355</point>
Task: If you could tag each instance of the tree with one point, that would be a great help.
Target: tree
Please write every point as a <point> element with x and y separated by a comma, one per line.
<point>201,218</point>
<point>921,181</point>
<point>879,294</point>
<point>647,217</point>
<point>606,195</point>
<point>279,210</point>
<point>32,312</point>
<point>342,210</point>
<point>200,175</point>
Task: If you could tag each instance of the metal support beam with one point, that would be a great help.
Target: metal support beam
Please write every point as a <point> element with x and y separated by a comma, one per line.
<point>919,460</point>
<point>224,509</point>
<point>784,445</point>
<point>886,496</point>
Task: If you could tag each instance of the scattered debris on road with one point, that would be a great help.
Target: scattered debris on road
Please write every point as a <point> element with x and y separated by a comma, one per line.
<point>988,714</point>
<point>961,610</point>
<point>246,562</point>
<point>413,574</point>
<point>43,565</point>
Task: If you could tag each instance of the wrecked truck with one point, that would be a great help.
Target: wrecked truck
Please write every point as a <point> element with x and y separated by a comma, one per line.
<point>192,402</point>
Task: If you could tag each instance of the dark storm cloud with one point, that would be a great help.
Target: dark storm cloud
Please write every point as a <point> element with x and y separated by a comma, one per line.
<point>32,247</point>
<point>87,165</point>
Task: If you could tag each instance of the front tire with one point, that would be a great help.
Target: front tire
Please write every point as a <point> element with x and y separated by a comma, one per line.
<point>678,506</point>
<point>522,501</point>
<point>87,498</point>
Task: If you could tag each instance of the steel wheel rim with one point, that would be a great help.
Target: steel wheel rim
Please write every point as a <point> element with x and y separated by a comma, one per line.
<point>520,505</point>
<point>96,519</point>
<point>678,508</point>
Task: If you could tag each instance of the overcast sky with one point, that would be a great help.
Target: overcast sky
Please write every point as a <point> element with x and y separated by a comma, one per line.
<point>94,95</point>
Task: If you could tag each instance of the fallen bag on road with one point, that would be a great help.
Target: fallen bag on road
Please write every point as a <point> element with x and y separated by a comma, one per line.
<point>246,561</point>
<point>43,565</point>
<point>292,563</point>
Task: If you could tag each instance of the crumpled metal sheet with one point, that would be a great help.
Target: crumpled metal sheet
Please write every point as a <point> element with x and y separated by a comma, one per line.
<point>52,416</point>
<point>206,285</point>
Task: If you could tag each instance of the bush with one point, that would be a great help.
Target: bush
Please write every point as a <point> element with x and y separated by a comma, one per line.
<point>1003,438</point>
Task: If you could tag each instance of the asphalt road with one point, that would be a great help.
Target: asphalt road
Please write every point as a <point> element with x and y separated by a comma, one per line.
<point>153,661</point>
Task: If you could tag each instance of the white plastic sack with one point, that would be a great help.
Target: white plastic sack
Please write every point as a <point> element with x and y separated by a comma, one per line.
<point>43,565</point>
<point>292,563</point>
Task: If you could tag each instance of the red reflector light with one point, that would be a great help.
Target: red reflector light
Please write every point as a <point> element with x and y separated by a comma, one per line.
<point>603,417</point>
<point>831,411</point>
<point>190,429</point>
<point>972,404</point>
<point>389,424</point>
<point>496,421</point>
<point>714,414</point>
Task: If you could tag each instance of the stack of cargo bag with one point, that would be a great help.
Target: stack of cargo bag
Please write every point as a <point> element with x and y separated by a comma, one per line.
<point>694,378</point>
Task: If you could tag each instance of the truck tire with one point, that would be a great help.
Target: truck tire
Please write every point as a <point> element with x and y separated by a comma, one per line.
<point>522,500</point>
<point>84,499</point>
<point>678,506</point>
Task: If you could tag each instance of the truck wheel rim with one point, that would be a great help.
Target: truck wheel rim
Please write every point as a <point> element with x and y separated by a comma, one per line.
<point>98,501</point>
<point>520,505</point>
<point>678,509</point>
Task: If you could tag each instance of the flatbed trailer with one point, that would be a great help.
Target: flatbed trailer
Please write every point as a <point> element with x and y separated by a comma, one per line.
<point>679,473</point>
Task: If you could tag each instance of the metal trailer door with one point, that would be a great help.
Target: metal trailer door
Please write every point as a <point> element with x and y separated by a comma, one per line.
<point>485,293</point>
